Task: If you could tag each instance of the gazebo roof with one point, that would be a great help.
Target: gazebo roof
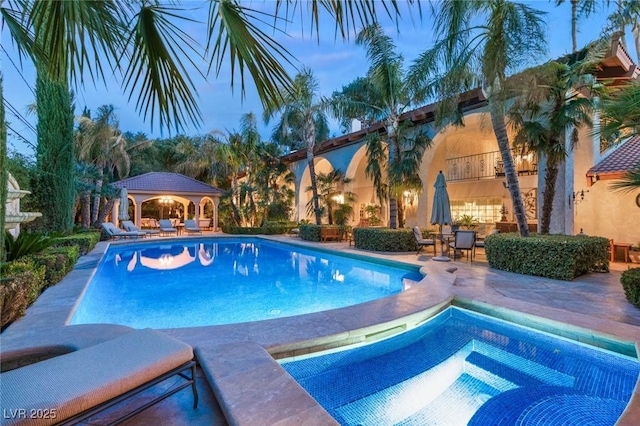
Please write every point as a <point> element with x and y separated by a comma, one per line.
<point>163,182</point>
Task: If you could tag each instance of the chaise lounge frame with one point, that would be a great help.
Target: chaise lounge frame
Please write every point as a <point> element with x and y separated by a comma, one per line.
<point>77,385</point>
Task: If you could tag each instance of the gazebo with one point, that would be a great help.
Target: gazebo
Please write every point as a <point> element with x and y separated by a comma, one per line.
<point>168,187</point>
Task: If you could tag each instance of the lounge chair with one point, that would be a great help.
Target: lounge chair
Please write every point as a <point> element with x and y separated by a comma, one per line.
<point>422,242</point>
<point>191,227</point>
<point>166,227</point>
<point>464,240</point>
<point>116,233</point>
<point>73,387</point>
<point>130,227</point>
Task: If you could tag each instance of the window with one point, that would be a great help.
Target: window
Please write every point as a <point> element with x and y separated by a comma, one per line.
<point>485,210</point>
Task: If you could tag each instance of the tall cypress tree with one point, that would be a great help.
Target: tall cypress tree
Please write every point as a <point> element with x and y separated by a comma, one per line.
<point>54,184</point>
<point>3,171</point>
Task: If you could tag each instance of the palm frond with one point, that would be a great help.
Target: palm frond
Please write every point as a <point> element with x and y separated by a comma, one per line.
<point>155,70</point>
<point>630,182</point>
<point>75,36</point>
<point>231,32</point>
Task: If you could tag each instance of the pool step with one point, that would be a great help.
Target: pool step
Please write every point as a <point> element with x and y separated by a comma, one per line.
<point>424,397</point>
<point>514,368</point>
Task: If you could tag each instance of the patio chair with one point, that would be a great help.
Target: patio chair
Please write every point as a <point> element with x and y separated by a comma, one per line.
<point>421,242</point>
<point>464,240</point>
<point>480,240</point>
<point>191,227</point>
<point>166,227</point>
<point>75,386</point>
<point>130,227</point>
<point>116,233</point>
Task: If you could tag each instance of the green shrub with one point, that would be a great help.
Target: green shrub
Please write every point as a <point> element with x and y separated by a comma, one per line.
<point>277,228</point>
<point>25,244</point>
<point>85,241</point>
<point>22,282</point>
<point>561,257</point>
<point>310,232</point>
<point>241,230</point>
<point>58,262</point>
<point>630,280</point>
<point>384,239</point>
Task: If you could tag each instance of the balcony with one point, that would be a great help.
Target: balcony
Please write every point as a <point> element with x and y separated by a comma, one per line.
<point>489,166</point>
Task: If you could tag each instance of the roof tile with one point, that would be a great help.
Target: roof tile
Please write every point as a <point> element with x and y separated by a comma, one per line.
<point>166,182</point>
<point>626,157</point>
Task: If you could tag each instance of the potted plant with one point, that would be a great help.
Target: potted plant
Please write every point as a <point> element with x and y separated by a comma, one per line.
<point>467,221</point>
<point>504,211</point>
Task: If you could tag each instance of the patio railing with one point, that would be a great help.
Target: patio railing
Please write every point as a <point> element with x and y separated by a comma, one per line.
<point>489,165</point>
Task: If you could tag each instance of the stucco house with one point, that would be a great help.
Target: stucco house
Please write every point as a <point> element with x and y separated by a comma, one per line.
<point>469,158</point>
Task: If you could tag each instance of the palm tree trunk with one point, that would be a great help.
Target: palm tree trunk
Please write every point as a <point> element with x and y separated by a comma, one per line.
<point>4,175</point>
<point>551,176</point>
<point>574,25</point>
<point>85,203</point>
<point>400,206</point>
<point>102,214</point>
<point>500,130</point>
<point>636,37</point>
<point>97,196</point>
<point>309,135</point>
<point>393,147</point>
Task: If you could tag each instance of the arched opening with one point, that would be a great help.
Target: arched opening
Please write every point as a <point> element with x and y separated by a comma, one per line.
<point>368,206</point>
<point>322,165</point>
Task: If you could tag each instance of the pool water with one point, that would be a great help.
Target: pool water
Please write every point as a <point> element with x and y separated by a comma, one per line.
<point>184,284</point>
<point>465,368</point>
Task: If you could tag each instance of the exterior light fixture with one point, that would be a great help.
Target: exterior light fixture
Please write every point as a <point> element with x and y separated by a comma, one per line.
<point>577,197</point>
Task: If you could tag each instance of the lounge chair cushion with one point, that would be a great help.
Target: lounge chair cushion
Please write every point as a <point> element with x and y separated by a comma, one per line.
<point>77,381</point>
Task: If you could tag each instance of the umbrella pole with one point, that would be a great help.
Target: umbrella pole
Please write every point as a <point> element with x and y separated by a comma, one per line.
<point>442,257</point>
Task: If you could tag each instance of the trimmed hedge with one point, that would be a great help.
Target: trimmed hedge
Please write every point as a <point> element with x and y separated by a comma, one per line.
<point>58,262</point>
<point>384,239</point>
<point>85,241</point>
<point>561,257</point>
<point>630,280</point>
<point>22,282</point>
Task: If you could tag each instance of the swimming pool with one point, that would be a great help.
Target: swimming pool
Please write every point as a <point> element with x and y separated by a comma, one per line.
<point>465,368</point>
<point>223,281</point>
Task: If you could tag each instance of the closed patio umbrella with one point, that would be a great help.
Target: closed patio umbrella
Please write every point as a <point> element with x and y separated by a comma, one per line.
<point>123,211</point>
<point>441,210</point>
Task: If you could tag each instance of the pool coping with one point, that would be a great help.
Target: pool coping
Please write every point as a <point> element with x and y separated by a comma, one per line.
<point>44,327</point>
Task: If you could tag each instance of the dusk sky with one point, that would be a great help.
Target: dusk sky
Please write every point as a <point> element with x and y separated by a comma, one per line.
<point>334,63</point>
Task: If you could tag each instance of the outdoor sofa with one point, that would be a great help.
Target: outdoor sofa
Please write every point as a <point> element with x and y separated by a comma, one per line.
<point>73,387</point>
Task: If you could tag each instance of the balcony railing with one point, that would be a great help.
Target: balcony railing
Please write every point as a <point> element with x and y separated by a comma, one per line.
<point>489,165</point>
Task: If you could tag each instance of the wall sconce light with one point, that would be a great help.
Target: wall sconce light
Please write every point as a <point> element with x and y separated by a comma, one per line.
<point>339,198</point>
<point>577,197</point>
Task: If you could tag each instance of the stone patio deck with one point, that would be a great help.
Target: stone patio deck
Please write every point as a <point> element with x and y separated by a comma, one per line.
<point>250,388</point>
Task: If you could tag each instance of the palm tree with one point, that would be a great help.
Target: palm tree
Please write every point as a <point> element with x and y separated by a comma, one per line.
<point>383,95</point>
<point>468,54</point>
<point>627,13</point>
<point>273,182</point>
<point>67,40</point>
<point>101,143</point>
<point>579,9</point>
<point>552,107</point>
<point>329,185</point>
<point>303,107</point>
